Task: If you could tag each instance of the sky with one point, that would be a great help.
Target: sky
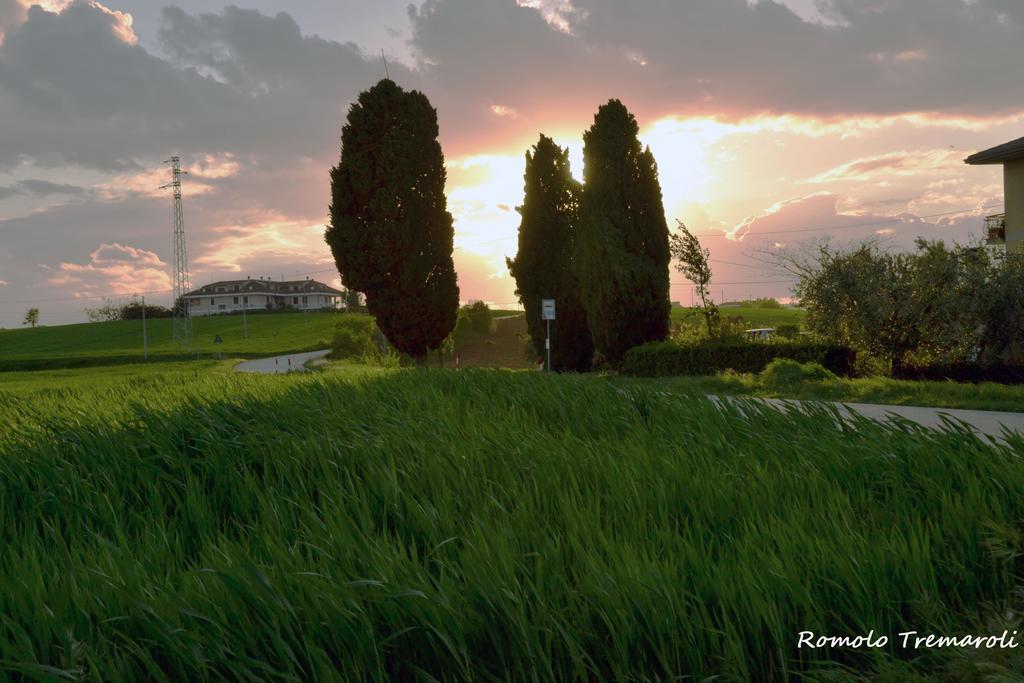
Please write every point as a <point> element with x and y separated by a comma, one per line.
<point>774,124</point>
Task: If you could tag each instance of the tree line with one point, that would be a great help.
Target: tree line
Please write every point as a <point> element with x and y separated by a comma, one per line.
<point>599,248</point>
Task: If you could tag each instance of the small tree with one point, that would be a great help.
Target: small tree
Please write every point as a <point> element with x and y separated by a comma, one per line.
<point>31,317</point>
<point>693,264</point>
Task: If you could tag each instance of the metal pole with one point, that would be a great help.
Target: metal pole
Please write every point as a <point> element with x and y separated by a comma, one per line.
<point>549,345</point>
<point>145,341</point>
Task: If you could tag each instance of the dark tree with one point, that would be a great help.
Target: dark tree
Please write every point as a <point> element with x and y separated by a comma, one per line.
<point>390,230</point>
<point>543,266</point>
<point>622,251</point>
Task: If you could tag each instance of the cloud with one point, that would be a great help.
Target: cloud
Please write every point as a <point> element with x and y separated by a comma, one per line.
<point>113,269</point>
<point>4,283</point>
<point>39,188</point>
<point>485,279</point>
<point>818,215</point>
<point>902,163</point>
<point>726,58</point>
<point>240,246</point>
<point>74,92</point>
<point>199,178</point>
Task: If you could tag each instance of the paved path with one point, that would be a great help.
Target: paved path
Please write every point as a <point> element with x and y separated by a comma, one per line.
<point>279,364</point>
<point>983,422</point>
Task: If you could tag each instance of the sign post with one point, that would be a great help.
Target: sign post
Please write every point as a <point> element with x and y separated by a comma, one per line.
<point>547,312</point>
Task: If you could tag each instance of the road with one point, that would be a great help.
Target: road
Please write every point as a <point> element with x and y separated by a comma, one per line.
<point>292,362</point>
<point>982,422</point>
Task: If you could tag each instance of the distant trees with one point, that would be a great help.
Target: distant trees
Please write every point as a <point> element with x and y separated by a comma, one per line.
<point>622,249</point>
<point>693,264</point>
<point>390,231</point>
<point>544,264</point>
<point>107,312</point>
<point>133,310</point>
<point>31,317</point>
<point>112,310</point>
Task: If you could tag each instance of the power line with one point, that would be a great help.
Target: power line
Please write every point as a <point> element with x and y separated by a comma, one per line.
<point>854,225</point>
<point>753,282</point>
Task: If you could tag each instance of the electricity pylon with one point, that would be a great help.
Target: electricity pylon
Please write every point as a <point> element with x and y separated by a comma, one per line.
<point>182,324</point>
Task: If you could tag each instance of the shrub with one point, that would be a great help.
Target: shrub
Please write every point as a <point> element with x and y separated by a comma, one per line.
<point>788,331</point>
<point>479,315</point>
<point>783,372</point>
<point>353,337</point>
<point>661,359</point>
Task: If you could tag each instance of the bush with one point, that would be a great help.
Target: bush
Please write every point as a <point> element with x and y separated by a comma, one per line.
<point>784,372</point>
<point>662,359</point>
<point>479,317</point>
<point>353,337</point>
<point>788,331</point>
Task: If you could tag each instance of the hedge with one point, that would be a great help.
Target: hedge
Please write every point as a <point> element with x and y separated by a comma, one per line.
<point>662,359</point>
<point>964,372</point>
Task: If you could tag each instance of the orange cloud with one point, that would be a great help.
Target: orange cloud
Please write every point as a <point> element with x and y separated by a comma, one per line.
<point>121,25</point>
<point>116,269</point>
<point>504,112</point>
<point>483,279</point>
<point>264,237</point>
<point>904,163</point>
<point>151,181</point>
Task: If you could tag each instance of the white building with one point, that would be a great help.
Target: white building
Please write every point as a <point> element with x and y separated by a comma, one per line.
<point>262,295</point>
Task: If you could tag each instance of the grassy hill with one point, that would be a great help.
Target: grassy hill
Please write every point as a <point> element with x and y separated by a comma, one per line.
<point>755,316</point>
<point>485,525</point>
<point>121,341</point>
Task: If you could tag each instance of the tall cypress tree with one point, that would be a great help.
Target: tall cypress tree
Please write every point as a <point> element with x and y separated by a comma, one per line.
<point>390,231</point>
<point>543,265</point>
<point>622,253</point>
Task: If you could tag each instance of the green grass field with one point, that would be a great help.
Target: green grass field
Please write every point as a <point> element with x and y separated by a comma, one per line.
<point>164,523</point>
<point>755,316</point>
<point>121,341</point>
<point>982,396</point>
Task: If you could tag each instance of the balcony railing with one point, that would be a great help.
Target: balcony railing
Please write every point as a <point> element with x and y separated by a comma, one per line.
<point>995,229</point>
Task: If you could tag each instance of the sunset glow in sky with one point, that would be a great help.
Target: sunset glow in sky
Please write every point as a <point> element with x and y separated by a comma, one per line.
<point>773,123</point>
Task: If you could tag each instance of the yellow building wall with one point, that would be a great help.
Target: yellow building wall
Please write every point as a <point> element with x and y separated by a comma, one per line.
<point>1013,184</point>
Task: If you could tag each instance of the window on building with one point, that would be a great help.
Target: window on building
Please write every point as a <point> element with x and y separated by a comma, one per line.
<point>235,301</point>
<point>213,301</point>
<point>245,300</point>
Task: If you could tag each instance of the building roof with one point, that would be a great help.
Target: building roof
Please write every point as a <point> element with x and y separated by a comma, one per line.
<point>269,286</point>
<point>1000,154</point>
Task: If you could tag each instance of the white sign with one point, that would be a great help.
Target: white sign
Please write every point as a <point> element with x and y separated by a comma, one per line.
<point>547,309</point>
